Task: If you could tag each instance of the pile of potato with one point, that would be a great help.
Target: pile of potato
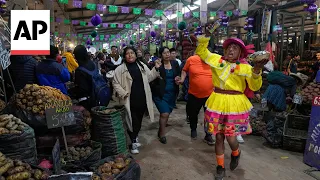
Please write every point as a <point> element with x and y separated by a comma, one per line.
<point>313,89</point>
<point>17,170</point>
<point>11,125</point>
<point>110,169</point>
<point>2,105</point>
<point>257,124</point>
<point>76,153</point>
<point>108,111</point>
<point>33,97</point>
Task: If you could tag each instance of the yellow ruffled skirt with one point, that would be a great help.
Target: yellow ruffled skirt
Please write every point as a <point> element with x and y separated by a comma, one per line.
<point>227,114</point>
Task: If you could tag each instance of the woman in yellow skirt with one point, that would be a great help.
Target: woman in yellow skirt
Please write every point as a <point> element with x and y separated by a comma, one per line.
<point>227,113</point>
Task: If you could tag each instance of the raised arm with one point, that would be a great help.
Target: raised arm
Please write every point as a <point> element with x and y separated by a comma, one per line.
<point>202,50</point>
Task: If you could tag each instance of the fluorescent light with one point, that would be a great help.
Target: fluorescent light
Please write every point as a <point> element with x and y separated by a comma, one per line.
<point>185,10</point>
<point>188,8</point>
<point>101,14</point>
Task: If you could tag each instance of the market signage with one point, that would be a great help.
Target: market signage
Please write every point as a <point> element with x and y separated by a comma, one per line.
<point>312,150</point>
<point>56,159</point>
<point>30,32</point>
<point>59,114</point>
<point>277,28</point>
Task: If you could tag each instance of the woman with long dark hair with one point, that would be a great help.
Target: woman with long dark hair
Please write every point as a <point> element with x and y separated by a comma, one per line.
<point>165,90</point>
<point>131,89</point>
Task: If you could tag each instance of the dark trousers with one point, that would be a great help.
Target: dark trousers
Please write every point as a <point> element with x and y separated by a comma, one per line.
<point>137,113</point>
<point>194,105</point>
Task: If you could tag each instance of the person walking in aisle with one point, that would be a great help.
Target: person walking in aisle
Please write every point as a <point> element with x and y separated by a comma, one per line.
<point>116,59</point>
<point>200,88</point>
<point>165,90</point>
<point>83,81</point>
<point>227,113</point>
<point>173,54</point>
<point>71,63</point>
<point>131,89</point>
<point>50,73</point>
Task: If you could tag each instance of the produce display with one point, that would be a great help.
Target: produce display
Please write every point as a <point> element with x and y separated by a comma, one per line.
<point>112,168</point>
<point>313,89</point>
<point>17,170</point>
<point>33,97</point>
<point>108,111</point>
<point>76,153</point>
<point>11,125</point>
<point>258,125</point>
<point>2,105</point>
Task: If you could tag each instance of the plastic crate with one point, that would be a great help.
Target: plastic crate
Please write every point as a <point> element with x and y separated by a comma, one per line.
<point>298,122</point>
<point>294,139</point>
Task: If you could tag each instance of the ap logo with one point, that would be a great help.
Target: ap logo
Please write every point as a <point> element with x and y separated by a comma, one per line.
<point>30,32</point>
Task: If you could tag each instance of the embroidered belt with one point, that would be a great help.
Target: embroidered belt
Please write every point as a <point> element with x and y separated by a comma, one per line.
<point>223,91</point>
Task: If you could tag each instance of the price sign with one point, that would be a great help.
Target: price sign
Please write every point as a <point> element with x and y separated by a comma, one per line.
<point>56,157</point>
<point>316,101</point>
<point>72,176</point>
<point>254,113</point>
<point>59,114</point>
<point>312,150</point>
<point>297,99</point>
<point>4,55</point>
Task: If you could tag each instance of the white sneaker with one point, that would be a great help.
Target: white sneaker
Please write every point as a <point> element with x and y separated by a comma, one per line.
<point>137,143</point>
<point>240,139</point>
<point>134,149</point>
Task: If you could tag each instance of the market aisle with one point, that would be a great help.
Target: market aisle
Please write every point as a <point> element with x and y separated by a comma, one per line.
<point>184,159</point>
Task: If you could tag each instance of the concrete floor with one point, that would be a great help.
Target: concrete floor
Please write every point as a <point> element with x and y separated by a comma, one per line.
<point>186,159</point>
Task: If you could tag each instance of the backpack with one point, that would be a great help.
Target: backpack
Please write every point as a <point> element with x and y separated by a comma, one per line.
<point>101,93</point>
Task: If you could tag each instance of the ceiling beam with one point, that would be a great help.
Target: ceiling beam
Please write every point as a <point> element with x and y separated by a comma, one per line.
<point>126,5</point>
<point>288,5</point>
<point>89,17</point>
<point>112,21</point>
<point>115,30</point>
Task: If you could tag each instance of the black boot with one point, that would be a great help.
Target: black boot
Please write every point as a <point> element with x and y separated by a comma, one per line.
<point>220,174</point>
<point>209,140</point>
<point>194,134</point>
<point>234,161</point>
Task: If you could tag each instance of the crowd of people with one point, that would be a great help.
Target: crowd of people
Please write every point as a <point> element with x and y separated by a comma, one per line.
<point>221,85</point>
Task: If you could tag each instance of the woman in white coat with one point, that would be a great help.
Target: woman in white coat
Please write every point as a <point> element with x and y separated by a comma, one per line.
<point>132,89</point>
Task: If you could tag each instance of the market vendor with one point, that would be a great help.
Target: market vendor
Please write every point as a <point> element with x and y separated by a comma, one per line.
<point>227,113</point>
<point>294,63</point>
<point>50,73</point>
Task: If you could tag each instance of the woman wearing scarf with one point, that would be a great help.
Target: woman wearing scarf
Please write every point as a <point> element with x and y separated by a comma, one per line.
<point>227,113</point>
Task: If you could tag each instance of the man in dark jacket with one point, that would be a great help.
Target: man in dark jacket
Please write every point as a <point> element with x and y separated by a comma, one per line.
<point>83,80</point>
<point>22,71</point>
<point>51,73</point>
